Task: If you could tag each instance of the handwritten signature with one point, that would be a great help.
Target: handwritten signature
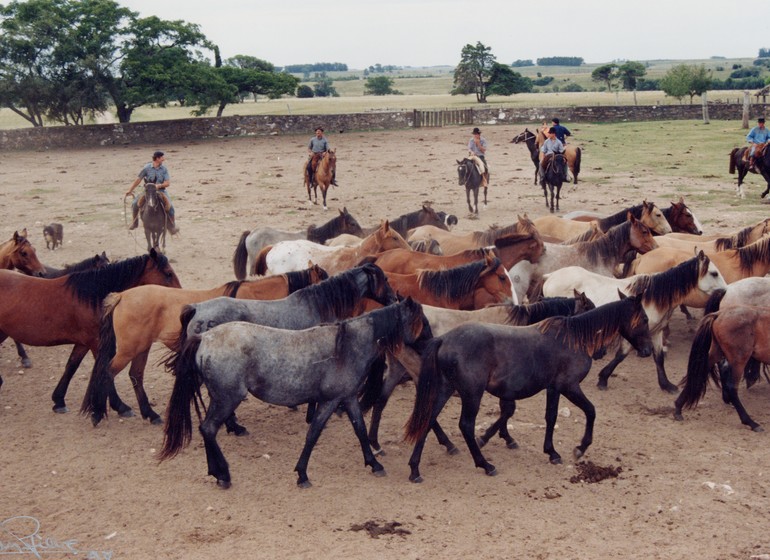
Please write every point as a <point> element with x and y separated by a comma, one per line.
<point>21,535</point>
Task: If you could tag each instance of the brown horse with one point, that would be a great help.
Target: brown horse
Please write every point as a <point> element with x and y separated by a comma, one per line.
<point>18,253</point>
<point>761,163</point>
<point>739,334</point>
<point>452,243</point>
<point>466,287</point>
<point>529,138</point>
<point>66,310</point>
<point>134,319</point>
<point>323,173</point>
<point>572,153</point>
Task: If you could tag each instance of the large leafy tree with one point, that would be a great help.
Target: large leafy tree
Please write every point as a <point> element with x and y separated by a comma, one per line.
<point>606,74</point>
<point>504,81</point>
<point>380,85</point>
<point>686,79</point>
<point>629,74</point>
<point>474,70</point>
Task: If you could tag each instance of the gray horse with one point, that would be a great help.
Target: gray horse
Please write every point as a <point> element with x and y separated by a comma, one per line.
<point>154,219</point>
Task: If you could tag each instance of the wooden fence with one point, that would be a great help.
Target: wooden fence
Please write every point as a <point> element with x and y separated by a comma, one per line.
<point>442,117</point>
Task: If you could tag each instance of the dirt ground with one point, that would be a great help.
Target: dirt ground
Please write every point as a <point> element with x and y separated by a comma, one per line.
<point>696,489</point>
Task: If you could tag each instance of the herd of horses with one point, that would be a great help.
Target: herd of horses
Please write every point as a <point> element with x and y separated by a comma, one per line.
<point>511,311</point>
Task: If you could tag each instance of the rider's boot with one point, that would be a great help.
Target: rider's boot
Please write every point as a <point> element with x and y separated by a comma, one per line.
<point>751,165</point>
<point>172,229</point>
<point>135,220</point>
<point>334,178</point>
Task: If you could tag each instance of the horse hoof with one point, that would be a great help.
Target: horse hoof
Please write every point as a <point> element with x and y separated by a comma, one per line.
<point>26,363</point>
<point>555,460</point>
<point>304,484</point>
<point>671,389</point>
<point>60,409</point>
<point>678,417</point>
<point>577,453</point>
<point>757,429</point>
<point>224,484</point>
<point>126,413</point>
<point>416,479</point>
<point>379,473</point>
<point>156,421</point>
<point>491,471</point>
<point>452,451</point>
<point>602,386</point>
<point>512,445</point>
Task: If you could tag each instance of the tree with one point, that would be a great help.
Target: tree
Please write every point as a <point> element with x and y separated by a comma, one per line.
<point>304,91</point>
<point>473,71</point>
<point>380,85</point>
<point>629,74</point>
<point>324,87</point>
<point>504,81</point>
<point>685,79</point>
<point>606,74</point>
<point>250,62</point>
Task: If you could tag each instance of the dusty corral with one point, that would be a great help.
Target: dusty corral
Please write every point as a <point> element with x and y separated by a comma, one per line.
<point>693,489</point>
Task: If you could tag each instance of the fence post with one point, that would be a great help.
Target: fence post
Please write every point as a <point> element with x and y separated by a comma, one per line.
<point>746,100</point>
<point>705,108</point>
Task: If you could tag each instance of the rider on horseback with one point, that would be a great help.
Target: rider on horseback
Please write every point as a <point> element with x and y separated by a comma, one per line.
<point>477,146</point>
<point>317,147</point>
<point>756,136</point>
<point>154,172</point>
<point>552,145</point>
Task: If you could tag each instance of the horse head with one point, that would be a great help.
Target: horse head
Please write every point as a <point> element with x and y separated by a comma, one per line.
<point>23,256</point>
<point>682,219</point>
<point>709,277</point>
<point>654,218</point>
<point>494,285</point>
<point>375,285</point>
<point>350,224</point>
<point>640,236</point>
<point>635,325</point>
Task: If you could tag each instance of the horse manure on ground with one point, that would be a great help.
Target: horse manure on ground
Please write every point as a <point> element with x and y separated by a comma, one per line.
<point>375,529</point>
<point>589,472</point>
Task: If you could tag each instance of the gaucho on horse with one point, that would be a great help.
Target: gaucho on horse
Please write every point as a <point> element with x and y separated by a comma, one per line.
<point>156,173</point>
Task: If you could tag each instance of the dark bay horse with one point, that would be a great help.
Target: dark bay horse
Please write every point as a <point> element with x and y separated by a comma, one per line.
<point>738,334</point>
<point>528,137</point>
<point>66,310</point>
<point>554,178</point>
<point>425,216</point>
<point>323,173</point>
<point>468,176</point>
<point>134,319</point>
<point>572,153</point>
<point>154,218</point>
<point>761,164</point>
<point>252,242</point>
<point>326,365</point>
<point>514,363</point>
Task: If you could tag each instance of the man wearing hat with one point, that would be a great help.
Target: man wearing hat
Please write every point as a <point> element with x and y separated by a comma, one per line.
<point>477,146</point>
<point>153,172</point>
<point>317,147</point>
<point>757,135</point>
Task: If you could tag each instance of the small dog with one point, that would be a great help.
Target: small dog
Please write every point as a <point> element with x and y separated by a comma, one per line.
<point>54,236</point>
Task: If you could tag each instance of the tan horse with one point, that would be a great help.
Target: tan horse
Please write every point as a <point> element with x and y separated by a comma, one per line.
<point>571,152</point>
<point>323,173</point>
<point>736,240</point>
<point>452,243</point>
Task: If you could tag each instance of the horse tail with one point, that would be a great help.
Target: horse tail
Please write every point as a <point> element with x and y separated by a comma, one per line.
<point>260,265</point>
<point>240,256</point>
<point>698,367</point>
<point>100,383</point>
<point>427,393</point>
<point>535,291</point>
<point>732,160</point>
<point>372,389</point>
<point>712,305</point>
<point>578,157</point>
<point>188,312</point>
<point>178,429</point>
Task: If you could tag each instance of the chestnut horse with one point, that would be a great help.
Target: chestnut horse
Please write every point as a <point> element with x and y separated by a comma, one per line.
<point>322,176</point>
<point>18,253</point>
<point>134,319</point>
<point>66,310</point>
<point>572,153</point>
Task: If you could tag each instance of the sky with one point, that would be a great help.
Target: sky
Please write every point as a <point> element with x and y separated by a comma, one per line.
<point>362,33</point>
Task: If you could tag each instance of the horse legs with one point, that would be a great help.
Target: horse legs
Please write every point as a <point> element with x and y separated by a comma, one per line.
<point>136,374</point>
<point>468,199</point>
<point>485,197</point>
<point>323,192</point>
<point>76,356</point>
<point>468,413</point>
<point>322,414</point>
<point>216,415</point>
<point>558,196</point>
<point>443,394</point>
<point>359,427</point>
<point>551,411</point>
<point>576,396</point>
<point>500,426</point>
<point>730,395</point>
<point>25,361</point>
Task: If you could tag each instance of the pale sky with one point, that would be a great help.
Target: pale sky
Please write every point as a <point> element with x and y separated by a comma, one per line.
<point>361,33</point>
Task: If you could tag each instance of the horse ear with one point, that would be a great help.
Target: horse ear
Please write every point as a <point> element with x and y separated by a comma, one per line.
<point>630,217</point>
<point>16,236</point>
<point>622,295</point>
<point>386,225</point>
<point>681,200</point>
<point>458,162</point>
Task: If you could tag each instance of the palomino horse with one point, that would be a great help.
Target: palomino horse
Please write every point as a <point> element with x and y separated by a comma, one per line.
<point>468,176</point>
<point>736,240</point>
<point>529,138</point>
<point>323,173</point>
<point>761,164</point>
<point>252,242</point>
<point>453,243</point>
<point>154,216</point>
<point>442,321</point>
<point>66,310</point>
<point>466,287</point>
<point>286,256</point>
<point>18,253</point>
<point>554,177</point>
<point>646,212</point>
<point>739,334</point>
<point>572,153</point>
<point>510,249</point>
<point>326,365</point>
<point>515,363</point>
<point>425,216</point>
<point>134,319</point>
<point>662,293</point>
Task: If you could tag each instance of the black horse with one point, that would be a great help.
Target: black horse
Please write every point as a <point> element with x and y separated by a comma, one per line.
<point>468,175</point>
<point>553,178</point>
<point>529,138</point>
<point>154,218</point>
<point>761,164</point>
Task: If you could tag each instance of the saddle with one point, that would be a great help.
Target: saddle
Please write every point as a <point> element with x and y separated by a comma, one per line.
<point>161,195</point>
<point>480,167</point>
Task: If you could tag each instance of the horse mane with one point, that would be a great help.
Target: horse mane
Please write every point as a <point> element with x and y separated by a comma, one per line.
<point>759,251</point>
<point>622,216</point>
<point>231,288</point>
<point>530,313</point>
<point>335,297</point>
<point>606,247</point>
<point>513,238</point>
<point>329,230</point>
<point>92,286</point>
<point>386,327</point>
<point>454,282</point>
<point>489,236</point>
<point>666,289</point>
<point>299,279</point>
<point>735,241</point>
<point>591,330</point>
<point>588,235</point>
<point>405,222</point>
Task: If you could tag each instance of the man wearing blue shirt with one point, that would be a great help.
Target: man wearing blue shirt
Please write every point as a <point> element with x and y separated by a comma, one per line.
<point>561,131</point>
<point>757,135</point>
<point>154,172</point>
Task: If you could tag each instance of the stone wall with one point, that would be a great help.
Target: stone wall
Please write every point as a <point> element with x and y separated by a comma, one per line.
<point>164,132</point>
